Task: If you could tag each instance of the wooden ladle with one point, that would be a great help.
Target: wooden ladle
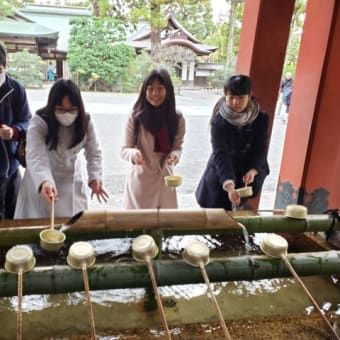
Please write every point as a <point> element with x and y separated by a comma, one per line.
<point>276,246</point>
<point>144,249</point>
<point>80,256</point>
<point>196,254</point>
<point>52,239</point>
<point>19,259</point>
<point>245,191</point>
<point>172,180</point>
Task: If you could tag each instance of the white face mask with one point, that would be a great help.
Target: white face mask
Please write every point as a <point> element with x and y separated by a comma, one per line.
<point>66,119</point>
<point>2,77</point>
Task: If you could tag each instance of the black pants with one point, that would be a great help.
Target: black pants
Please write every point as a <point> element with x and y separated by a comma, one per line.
<point>286,101</point>
<point>9,188</point>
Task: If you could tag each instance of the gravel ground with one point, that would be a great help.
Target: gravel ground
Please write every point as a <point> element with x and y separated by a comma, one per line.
<point>296,327</point>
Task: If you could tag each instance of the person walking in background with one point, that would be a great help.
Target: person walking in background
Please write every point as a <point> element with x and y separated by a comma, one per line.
<point>287,90</point>
<point>55,137</point>
<point>51,72</point>
<point>239,138</point>
<point>14,118</point>
<point>153,141</point>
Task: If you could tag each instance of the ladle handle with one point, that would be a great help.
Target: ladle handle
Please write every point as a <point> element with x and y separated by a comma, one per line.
<point>297,278</point>
<point>219,312</point>
<point>234,207</point>
<point>158,298</point>
<point>88,301</point>
<point>19,312</point>
<point>52,213</point>
<point>271,210</point>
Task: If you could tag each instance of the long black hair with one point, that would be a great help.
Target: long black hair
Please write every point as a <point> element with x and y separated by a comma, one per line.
<point>144,112</point>
<point>60,89</point>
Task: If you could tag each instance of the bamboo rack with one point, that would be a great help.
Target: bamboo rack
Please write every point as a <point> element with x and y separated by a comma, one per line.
<point>62,279</point>
<point>130,223</point>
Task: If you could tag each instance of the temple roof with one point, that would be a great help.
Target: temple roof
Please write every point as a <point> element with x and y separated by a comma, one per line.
<point>21,29</point>
<point>18,29</point>
<point>26,29</point>
<point>172,34</point>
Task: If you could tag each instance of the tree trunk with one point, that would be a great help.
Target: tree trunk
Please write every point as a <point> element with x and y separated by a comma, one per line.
<point>95,11</point>
<point>155,35</point>
<point>230,41</point>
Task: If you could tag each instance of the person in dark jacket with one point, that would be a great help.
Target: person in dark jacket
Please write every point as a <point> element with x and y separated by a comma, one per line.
<point>287,89</point>
<point>239,138</point>
<point>14,118</point>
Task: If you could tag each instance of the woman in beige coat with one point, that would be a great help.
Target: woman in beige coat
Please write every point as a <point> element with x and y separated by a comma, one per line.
<point>153,142</point>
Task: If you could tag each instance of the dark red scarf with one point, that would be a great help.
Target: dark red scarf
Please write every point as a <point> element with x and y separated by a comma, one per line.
<point>162,141</point>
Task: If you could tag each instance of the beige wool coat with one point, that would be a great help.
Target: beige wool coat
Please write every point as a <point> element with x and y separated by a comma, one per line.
<point>145,187</point>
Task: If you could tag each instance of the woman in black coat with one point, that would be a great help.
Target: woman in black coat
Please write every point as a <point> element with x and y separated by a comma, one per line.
<point>239,138</point>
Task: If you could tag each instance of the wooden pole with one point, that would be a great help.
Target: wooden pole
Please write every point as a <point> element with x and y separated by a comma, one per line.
<point>213,298</point>
<point>19,311</point>
<point>158,297</point>
<point>88,302</point>
<point>310,296</point>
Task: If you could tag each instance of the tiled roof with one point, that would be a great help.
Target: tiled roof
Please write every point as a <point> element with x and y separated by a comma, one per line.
<point>26,29</point>
<point>141,39</point>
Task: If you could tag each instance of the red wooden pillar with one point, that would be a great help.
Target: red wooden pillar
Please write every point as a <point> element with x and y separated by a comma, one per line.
<point>262,49</point>
<point>263,44</point>
<point>310,165</point>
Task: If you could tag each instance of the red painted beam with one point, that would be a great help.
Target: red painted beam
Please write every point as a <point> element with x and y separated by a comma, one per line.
<point>310,161</point>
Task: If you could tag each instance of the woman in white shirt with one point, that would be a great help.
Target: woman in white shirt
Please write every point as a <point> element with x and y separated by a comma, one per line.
<point>55,137</point>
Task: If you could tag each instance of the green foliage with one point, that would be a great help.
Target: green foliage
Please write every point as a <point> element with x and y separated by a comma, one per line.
<point>231,21</point>
<point>295,36</point>
<point>218,38</point>
<point>26,67</point>
<point>144,64</point>
<point>105,8</point>
<point>95,48</point>
<point>5,9</point>
<point>195,16</point>
<point>217,79</point>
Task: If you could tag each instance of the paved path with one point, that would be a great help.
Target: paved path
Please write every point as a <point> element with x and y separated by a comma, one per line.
<point>109,112</point>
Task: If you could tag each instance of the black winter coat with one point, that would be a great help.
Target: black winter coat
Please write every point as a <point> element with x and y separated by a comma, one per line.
<point>235,150</point>
<point>14,112</point>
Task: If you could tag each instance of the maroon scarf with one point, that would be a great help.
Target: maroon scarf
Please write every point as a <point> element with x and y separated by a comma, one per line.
<point>162,141</point>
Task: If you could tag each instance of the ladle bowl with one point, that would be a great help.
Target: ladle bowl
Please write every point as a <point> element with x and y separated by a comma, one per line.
<point>51,239</point>
<point>195,253</point>
<point>173,181</point>
<point>79,253</point>
<point>296,211</point>
<point>246,191</point>
<point>274,245</point>
<point>20,256</point>
<point>143,247</point>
